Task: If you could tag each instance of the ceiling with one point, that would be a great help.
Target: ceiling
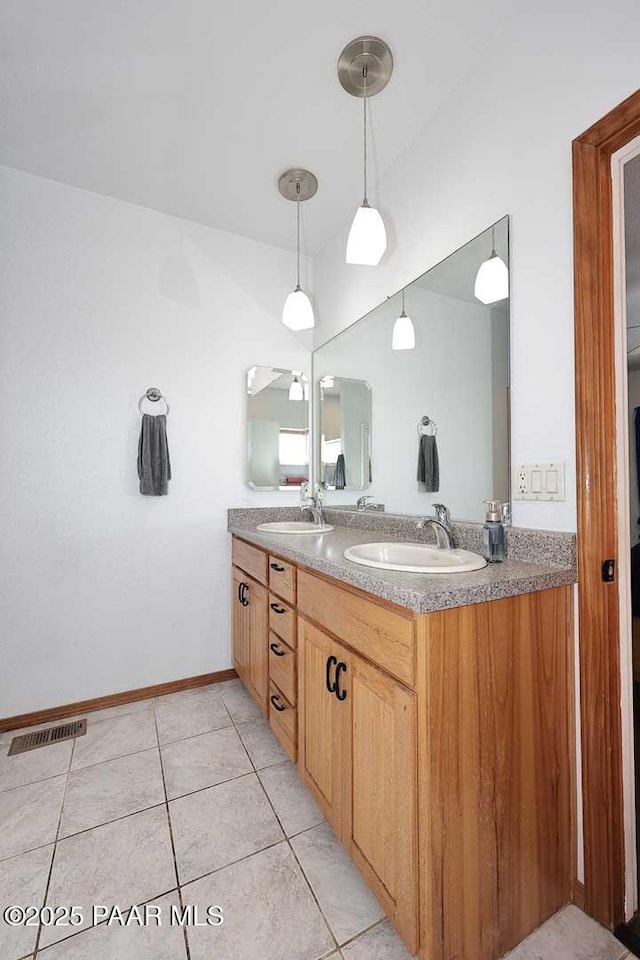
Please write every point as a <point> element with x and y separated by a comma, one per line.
<point>194,108</point>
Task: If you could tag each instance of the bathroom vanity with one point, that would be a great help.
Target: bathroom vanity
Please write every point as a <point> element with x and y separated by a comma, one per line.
<point>431,719</point>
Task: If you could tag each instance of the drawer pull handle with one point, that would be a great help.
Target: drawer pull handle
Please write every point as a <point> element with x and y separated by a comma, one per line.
<point>278,652</point>
<point>340,694</point>
<point>242,596</point>
<point>278,706</point>
<point>277,568</point>
<point>277,609</point>
<point>331,686</point>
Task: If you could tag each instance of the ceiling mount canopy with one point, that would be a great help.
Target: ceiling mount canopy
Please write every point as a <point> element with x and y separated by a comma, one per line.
<point>365,66</point>
<point>298,185</point>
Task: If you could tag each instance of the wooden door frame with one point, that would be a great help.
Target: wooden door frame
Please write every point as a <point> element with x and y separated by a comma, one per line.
<point>596,473</point>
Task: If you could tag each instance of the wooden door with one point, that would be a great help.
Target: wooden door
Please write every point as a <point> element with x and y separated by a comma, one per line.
<point>257,613</point>
<point>382,823</point>
<point>323,720</point>
<point>239,625</point>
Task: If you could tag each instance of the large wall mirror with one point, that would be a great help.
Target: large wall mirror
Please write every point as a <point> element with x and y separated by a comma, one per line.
<point>277,428</point>
<point>438,385</point>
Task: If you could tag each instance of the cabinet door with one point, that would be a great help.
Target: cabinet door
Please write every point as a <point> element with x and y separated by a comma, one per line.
<point>382,823</point>
<point>323,720</point>
<point>257,614</point>
<point>239,625</point>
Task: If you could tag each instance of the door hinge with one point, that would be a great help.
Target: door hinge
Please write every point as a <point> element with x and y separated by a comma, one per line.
<point>608,571</point>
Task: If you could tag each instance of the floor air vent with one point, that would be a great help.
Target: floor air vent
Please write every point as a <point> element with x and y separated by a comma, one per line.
<point>43,738</point>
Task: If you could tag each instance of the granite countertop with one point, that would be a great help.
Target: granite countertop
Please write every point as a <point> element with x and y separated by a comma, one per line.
<point>420,592</point>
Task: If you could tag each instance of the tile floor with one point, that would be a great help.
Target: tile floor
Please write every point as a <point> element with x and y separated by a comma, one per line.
<point>189,800</point>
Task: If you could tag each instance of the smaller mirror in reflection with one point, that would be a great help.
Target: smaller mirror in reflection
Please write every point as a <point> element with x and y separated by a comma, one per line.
<point>345,433</point>
<point>277,428</point>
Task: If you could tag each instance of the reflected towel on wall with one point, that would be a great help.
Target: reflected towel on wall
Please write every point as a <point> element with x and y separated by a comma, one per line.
<point>154,465</point>
<point>340,473</point>
<point>428,466</point>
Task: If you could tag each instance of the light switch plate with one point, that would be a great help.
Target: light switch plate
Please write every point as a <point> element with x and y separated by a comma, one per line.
<point>539,481</point>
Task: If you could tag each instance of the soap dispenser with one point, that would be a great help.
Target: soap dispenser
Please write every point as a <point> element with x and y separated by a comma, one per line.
<point>493,533</point>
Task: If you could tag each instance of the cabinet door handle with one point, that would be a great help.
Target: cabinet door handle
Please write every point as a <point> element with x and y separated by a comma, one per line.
<point>278,706</point>
<point>242,594</point>
<point>277,609</point>
<point>331,662</point>
<point>276,649</point>
<point>341,668</point>
<point>277,568</point>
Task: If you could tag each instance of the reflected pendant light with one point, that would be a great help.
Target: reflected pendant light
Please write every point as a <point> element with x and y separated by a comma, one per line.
<point>404,334</point>
<point>298,185</point>
<point>492,278</point>
<point>364,69</point>
<point>296,390</point>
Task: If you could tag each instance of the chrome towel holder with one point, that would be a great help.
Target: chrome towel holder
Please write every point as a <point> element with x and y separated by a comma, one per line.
<point>424,423</point>
<point>153,394</point>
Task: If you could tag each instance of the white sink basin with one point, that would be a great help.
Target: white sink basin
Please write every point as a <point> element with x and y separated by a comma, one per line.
<point>294,526</point>
<point>414,558</point>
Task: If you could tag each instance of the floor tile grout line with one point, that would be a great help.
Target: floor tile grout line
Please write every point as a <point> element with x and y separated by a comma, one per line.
<point>313,894</point>
<point>287,841</point>
<point>94,926</point>
<point>104,823</point>
<point>153,806</point>
<point>55,846</point>
<point>171,837</point>
<point>29,783</point>
<point>232,863</point>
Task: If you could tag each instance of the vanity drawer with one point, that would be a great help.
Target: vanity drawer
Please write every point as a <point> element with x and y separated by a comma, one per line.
<point>378,633</point>
<point>284,721</point>
<point>282,667</point>
<point>282,620</point>
<point>250,559</point>
<point>282,579</point>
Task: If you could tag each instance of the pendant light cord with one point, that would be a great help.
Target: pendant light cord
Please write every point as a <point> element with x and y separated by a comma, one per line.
<point>364,111</point>
<point>298,233</point>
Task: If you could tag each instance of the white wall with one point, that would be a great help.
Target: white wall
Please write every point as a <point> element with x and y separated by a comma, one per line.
<point>102,589</point>
<point>453,343</point>
<point>502,144</point>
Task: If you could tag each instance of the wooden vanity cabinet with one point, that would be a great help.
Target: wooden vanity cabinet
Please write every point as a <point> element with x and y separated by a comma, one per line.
<point>357,754</point>
<point>438,746</point>
<point>250,628</point>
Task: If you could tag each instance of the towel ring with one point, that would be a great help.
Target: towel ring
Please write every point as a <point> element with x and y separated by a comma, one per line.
<point>153,394</point>
<point>423,427</point>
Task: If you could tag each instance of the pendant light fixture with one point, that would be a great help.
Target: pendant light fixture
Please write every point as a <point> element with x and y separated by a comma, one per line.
<point>296,390</point>
<point>298,186</point>
<point>364,68</point>
<point>492,278</point>
<point>404,334</point>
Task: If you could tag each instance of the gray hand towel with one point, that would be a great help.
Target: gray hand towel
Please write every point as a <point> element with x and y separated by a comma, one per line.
<point>428,466</point>
<point>340,474</point>
<point>154,466</point>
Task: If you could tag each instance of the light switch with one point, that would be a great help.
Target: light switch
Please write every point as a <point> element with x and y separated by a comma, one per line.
<point>539,481</point>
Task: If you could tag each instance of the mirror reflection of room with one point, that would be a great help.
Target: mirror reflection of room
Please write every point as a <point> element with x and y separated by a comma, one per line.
<point>345,434</point>
<point>435,359</point>
<point>277,428</point>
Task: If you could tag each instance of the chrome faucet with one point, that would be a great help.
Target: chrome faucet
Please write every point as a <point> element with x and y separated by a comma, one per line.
<point>441,524</point>
<point>362,505</point>
<point>314,506</point>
